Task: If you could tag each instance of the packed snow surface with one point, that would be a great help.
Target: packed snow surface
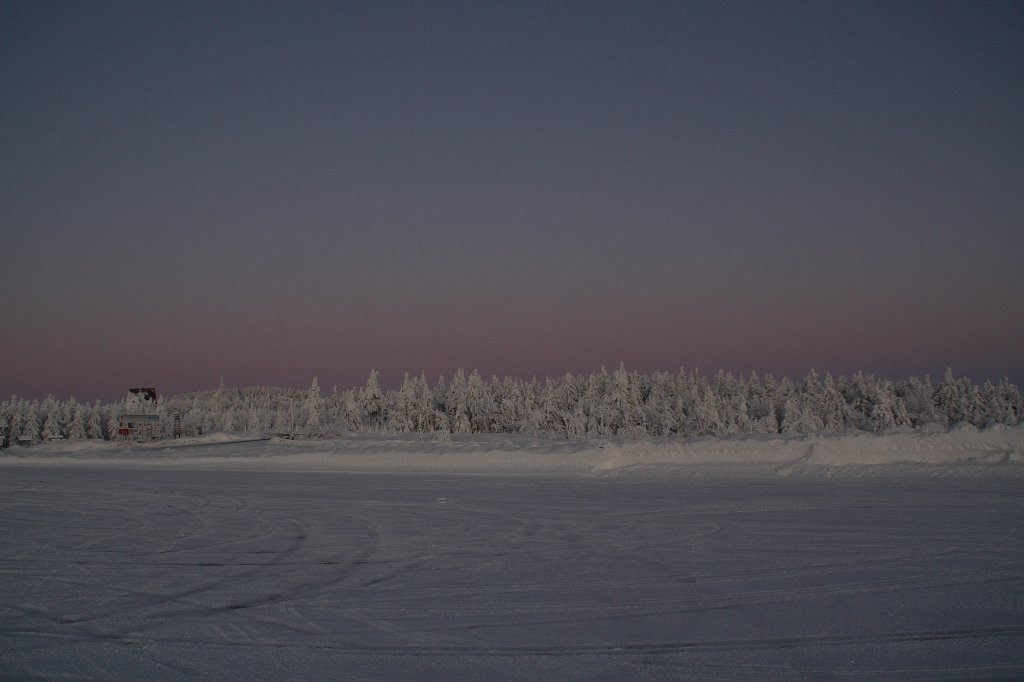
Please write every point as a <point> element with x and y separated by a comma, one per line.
<point>962,450</point>
<point>853,556</point>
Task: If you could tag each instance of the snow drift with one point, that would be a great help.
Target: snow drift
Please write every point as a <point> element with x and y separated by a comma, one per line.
<point>962,450</point>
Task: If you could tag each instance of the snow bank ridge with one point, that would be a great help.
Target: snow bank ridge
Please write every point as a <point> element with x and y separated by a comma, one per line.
<point>962,450</point>
<point>963,443</point>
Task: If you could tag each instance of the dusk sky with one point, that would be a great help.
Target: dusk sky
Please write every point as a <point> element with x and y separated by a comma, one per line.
<point>272,191</point>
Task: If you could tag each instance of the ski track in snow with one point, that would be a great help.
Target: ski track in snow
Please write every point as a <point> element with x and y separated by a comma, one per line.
<point>141,572</point>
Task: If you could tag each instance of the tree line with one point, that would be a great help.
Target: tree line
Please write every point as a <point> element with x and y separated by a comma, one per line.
<point>603,404</point>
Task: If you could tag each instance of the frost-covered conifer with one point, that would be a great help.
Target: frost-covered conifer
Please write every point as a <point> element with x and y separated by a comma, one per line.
<point>227,420</point>
<point>575,423</point>
<point>456,407</point>
<point>94,422</point>
<point>769,423</point>
<point>1014,400</point>
<point>740,421</point>
<point>950,400</point>
<point>792,416</point>
<point>510,411</point>
<point>372,403</point>
<point>479,404</point>
<point>350,415</point>
<point>5,419</point>
<point>74,425</point>
<point>812,387</point>
<point>759,405</point>
<point>114,411</point>
<point>998,404</point>
<point>15,418</point>
<point>30,424</point>
<point>314,407</point>
<point>594,405</point>
<point>974,406</point>
<point>899,410</point>
<point>51,420</point>
<point>623,404</point>
<point>861,396</point>
<point>707,417</point>
<point>832,407</point>
<point>658,415</point>
<point>427,413</point>
<point>881,416</point>
<point>533,411</point>
<point>918,398</point>
<point>253,423</point>
<point>403,417</point>
<point>684,407</point>
<point>553,415</point>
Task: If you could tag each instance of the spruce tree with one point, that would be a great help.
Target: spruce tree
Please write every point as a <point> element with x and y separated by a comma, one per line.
<point>371,403</point>
<point>314,407</point>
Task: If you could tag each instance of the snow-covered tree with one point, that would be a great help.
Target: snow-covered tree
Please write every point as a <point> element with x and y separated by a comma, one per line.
<point>882,415</point>
<point>951,403</point>
<point>597,409</point>
<point>658,415</point>
<point>15,418</point>
<point>253,423</point>
<point>351,418</point>
<point>114,419</point>
<point>5,420</point>
<point>403,417</point>
<point>508,416</point>
<point>479,404</point>
<point>431,417</point>
<point>456,404</point>
<point>792,416</point>
<point>999,404</point>
<point>94,422</point>
<point>919,400</point>
<point>975,408</point>
<point>227,420</point>
<point>74,425</point>
<point>51,420</point>
<point>622,407</point>
<point>707,418</point>
<point>533,410</point>
<point>832,407</point>
<point>372,403</point>
<point>313,408</point>
<point>30,424</point>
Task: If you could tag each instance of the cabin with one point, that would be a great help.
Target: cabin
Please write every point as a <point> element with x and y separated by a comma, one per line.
<point>141,418</point>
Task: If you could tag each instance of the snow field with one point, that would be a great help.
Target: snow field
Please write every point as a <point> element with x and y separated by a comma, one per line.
<point>218,572</point>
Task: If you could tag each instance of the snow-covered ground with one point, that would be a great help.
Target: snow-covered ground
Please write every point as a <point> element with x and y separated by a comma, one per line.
<point>962,450</point>
<point>855,556</point>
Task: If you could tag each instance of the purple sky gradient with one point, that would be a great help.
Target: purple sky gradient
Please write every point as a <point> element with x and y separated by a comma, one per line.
<point>274,191</point>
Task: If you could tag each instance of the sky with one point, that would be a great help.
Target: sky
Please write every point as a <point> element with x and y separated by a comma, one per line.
<point>265,192</point>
